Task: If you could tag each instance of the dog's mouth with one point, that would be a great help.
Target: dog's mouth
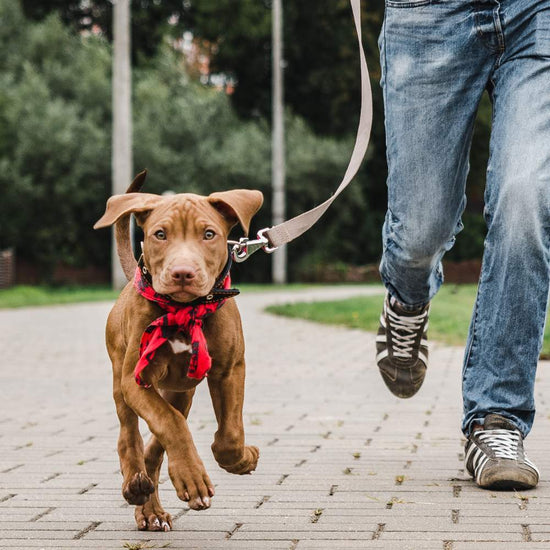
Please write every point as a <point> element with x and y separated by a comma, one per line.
<point>184,292</point>
<point>183,296</point>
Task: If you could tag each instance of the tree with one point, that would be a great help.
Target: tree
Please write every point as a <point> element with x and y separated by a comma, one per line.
<point>55,124</point>
<point>319,44</point>
<point>54,106</point>
<point>55,148</point>
<point>152,20</point>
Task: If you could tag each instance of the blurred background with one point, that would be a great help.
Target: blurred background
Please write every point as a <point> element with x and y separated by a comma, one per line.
<point>201,113</point>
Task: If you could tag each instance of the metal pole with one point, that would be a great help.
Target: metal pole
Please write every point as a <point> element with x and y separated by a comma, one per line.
<point>122,117</point>
<point>278,266</point>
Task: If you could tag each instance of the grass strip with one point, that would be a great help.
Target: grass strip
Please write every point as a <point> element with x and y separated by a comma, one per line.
<point>449,314</point>
<point>28,296</point>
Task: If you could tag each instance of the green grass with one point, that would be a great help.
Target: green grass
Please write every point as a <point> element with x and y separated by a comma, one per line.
<point>24,296</point>
<point>449,314</point>
<point>258,287</point>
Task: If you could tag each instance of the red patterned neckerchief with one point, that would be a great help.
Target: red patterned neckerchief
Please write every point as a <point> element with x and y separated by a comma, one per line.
<point>180,317</point>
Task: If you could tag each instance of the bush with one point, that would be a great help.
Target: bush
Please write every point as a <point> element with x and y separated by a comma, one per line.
<point>55,148</point>
<point>55,154</point>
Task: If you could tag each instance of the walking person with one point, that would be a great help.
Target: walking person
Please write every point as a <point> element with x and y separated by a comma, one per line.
<point>438,57</point>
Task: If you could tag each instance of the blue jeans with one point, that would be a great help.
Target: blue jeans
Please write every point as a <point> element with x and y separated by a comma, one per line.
<point>438,57</point>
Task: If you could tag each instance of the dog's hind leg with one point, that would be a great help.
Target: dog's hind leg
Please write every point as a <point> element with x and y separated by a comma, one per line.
<point>151,515</point>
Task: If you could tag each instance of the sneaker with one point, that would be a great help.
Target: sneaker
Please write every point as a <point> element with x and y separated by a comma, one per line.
<point>495,457</point>
<point>402,347</point>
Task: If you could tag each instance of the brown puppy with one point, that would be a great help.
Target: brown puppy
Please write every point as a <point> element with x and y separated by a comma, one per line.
<point>184,252</point>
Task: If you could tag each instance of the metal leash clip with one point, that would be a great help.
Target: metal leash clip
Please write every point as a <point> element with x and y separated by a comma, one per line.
<point>245,247</point>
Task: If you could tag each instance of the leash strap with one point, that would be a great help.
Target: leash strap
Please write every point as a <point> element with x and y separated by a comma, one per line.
<point>274,237</point>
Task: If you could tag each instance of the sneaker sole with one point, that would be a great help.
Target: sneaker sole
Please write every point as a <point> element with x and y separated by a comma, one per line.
<point>507,479</point>
<point>403,391</point>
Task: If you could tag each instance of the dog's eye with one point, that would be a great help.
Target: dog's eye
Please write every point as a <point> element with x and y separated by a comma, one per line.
<point>209,235</point>
<point>160,235</point>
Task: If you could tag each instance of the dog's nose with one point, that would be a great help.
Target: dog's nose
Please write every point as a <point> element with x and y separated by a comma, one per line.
<point>183,274</point>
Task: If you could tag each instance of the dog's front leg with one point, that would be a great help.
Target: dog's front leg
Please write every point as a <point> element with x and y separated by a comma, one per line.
<point>151,516</point>
<point>230,451</point>
<point>169,426</point>
<point>137,486</point>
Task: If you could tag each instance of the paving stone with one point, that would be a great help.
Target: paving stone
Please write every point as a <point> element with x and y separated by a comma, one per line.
<point>503,545</point>
<point>344,464</point>
<point>366,545</point>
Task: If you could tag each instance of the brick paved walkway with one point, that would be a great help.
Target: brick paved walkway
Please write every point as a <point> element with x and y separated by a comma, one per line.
<point>344,464</point>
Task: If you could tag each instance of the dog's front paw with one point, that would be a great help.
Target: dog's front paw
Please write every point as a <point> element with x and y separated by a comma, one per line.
<point>192,484</point>
<point>137,488</point>
<point>152,517</point>
<point>247,464</point>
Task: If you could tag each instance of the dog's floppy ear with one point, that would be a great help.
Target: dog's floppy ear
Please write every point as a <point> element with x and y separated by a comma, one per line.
<point>119,205</point>
<point>238,205</point>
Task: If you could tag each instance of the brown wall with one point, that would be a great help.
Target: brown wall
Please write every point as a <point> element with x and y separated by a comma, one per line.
<point>28,274</point>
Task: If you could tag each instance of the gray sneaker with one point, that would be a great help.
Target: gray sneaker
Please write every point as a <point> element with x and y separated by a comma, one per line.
<point>495,457</point>
<point>402,348</point>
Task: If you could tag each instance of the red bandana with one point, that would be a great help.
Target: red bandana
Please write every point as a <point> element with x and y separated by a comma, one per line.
<point>187,318</point>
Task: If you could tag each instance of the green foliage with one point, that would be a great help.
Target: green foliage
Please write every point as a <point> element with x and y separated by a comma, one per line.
<point>449,315</point>
<point>151,21</point>
<point>55,125</point>
<point>319,44</point>
<point>322,86</point>
<point>189,137</point>
<point>191,140</point>
<point>55,148</point>
<point>26,296</point>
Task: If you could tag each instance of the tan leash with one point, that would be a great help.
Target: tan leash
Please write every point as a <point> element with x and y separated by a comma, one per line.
<point>271,238</point>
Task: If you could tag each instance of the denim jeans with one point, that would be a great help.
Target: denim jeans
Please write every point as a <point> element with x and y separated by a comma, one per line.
<point>438,57</point>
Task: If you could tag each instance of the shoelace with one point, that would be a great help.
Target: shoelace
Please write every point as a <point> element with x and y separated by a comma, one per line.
<point>504,443</point>
<point>404,330</point>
